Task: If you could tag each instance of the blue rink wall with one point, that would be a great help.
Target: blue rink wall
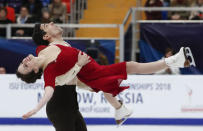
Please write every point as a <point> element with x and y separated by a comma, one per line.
<point>108,121</point>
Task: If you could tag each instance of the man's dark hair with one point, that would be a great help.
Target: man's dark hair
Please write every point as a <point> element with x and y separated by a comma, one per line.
<point>30,77</point>
<point>24,7</point>
<point>37,36</point>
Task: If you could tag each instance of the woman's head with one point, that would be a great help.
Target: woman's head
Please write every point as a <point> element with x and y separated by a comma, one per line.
<point>29,70</point>
<point>30,77</point>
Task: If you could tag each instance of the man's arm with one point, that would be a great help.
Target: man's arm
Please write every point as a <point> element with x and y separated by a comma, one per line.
<point>83,59</point>
<point>68,76</point>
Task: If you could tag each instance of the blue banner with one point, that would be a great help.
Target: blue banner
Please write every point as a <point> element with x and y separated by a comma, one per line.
<point>162,36</point>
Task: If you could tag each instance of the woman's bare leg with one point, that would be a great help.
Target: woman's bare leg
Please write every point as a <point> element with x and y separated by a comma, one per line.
<point>121,112</point>
<point>179,60</point>
<point>145,68</point>
<point>112,100</point>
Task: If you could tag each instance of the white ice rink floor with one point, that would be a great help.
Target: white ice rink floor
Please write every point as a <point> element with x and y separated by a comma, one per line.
<point>106,128</point>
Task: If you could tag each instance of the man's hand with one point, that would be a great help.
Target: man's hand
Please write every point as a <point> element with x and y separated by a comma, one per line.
<point>175,17</point>
<point>20,32</point>
<point>83,59</point>
<point>29,114</point>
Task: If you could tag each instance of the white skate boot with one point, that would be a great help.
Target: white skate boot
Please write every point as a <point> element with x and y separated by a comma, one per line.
<point>183,58</point>
<point>189,56</point>
<point>122,114</point>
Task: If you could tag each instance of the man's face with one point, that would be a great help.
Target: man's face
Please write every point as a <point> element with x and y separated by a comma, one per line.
<point>200,2</point>
<point>23,12</point>
<point>168,54</point>
<point>2,70</point>
<point>46,15</point>
<point>51,29</point>
<point>57,1</point>
<point>2,14</point>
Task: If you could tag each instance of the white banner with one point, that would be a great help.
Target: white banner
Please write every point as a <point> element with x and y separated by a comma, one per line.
<point>149,96</point>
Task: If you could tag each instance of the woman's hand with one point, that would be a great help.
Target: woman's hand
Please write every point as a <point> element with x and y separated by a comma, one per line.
<point>46,97</point>
<point>83,59</point>
<point>29,114</point>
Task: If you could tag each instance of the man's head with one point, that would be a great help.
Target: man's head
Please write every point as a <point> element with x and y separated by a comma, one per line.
<point>45,15</point>
<point>28,70</point>
<point>57,1</point>
<point>200,2</point>
<point>24,11</point>
<point>43,34</point>
<point>2,70</point>
<point>168,52</point>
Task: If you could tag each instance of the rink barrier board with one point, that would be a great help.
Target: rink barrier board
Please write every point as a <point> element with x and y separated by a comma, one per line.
<point>107,121</point>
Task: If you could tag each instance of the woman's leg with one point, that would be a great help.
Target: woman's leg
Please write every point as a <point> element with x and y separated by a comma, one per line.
<point>121,112</point>
<point>112,100</point>
<point>177,60</point>
<point>145,68</point>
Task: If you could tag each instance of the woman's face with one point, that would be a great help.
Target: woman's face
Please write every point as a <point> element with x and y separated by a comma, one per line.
<point>27,65</point>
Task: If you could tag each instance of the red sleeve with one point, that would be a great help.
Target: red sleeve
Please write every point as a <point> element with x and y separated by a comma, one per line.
<point>49,76</point>
<point>39,48</point>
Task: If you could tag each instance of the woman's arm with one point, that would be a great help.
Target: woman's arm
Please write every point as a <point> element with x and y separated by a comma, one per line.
<point>47,96</point>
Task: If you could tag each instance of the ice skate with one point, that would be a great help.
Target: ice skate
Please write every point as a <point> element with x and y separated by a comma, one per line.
<point>122,114</point>
<point>183,58</point>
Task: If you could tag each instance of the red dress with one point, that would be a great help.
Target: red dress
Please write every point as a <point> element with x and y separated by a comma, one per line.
<point>99,77</point>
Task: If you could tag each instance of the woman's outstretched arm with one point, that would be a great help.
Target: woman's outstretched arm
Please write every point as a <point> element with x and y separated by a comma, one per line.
<point>47,96</point>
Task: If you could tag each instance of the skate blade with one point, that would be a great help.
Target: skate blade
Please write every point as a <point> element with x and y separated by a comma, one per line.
<point>189,57</point>
<point>120,122</point>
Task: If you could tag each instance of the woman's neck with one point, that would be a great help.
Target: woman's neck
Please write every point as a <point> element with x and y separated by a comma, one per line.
<point>40,61</point>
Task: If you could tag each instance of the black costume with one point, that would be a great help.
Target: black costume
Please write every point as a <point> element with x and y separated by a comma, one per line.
<point>62,110</point>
